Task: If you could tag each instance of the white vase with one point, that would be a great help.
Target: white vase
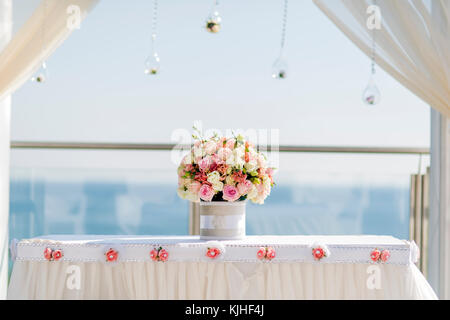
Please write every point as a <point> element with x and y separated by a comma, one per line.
<point>222,220</point>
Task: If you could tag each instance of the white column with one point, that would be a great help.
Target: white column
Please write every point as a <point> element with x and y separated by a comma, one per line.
<point>439,233</point>
<point>5,117</point>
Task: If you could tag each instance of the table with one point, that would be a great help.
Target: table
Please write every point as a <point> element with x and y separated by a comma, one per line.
<point>185,267</point>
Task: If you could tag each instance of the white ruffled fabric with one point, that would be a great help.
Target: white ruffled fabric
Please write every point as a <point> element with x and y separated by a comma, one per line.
<point>209,280</point>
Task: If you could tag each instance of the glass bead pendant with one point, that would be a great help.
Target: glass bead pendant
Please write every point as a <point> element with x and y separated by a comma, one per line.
<point>152,66</point>
<point>279,69</point>
<point>41,75</point>
<point>213,22</point>
<point>371,95</point>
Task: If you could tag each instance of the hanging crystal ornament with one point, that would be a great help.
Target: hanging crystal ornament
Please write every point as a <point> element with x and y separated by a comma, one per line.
<point>152,65</point>
<point>213,21</point>
<point>371,95</point>
<point>42,74</point>
<point>279,67</point>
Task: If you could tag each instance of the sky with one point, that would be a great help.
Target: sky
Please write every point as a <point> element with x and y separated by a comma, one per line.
<point>97,89</point>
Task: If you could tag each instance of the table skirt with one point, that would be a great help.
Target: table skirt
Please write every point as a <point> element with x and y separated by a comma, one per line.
<point>211,280</point>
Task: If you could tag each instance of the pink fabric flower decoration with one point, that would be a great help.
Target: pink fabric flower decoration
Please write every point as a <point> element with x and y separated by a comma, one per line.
<point>48,254</point>
<point>270,253</point>
<point>244,187</point>
<point>154,255</point>
<point>57,254</point>
<point>261,254</point>
<point>385,255</point>
<point>163,255</point>
<point>267,253</point>
<point>318,253</point>
<point>206,192</point>
<point>212,253</point>
<point>111,255</point>
<point>230,193</point>
<point>375,255</point>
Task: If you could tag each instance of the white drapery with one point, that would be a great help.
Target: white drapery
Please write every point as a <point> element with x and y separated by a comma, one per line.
<point>51,23</point>
<point>211,280</point>
<point>411,45</point>
<point>20,58</point>
<point>5,113</point>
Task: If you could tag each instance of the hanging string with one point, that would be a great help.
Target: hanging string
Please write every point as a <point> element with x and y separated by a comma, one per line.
<point>279,68</point>
<point>154,23</point>
<point>283,28</point>
<point>152,62</point>
<point>373,54</point>
<point>42,74</point>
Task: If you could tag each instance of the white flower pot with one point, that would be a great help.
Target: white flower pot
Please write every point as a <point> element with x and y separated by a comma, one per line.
<point>222,220</point>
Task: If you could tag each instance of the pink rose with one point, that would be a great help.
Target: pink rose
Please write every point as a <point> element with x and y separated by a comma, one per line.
<point>244,187</point>
<point>206,192</point>
<point>375,255</point>
<point>154,255</point>
<point>57,254</point>
<point>48,254</point>
<point>270,253</point>
<point>385,254</point>
<point>204,164</point>
<point>111,255</point>
<point>163,255</point>
<point>230,193</point>
<point>194,187</point>
<point>318,253</point>
<point>261,254</point>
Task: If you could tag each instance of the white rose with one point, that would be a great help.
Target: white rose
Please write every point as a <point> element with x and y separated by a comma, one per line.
<point>182,193</point>
<point>192,196</point>
<point>199,152</point>
<point>214,177</point>
<point>229,180</point>
<point>238,158</point>
<point>251,165</point>
<point>253,193</point>
<point>218,186</point>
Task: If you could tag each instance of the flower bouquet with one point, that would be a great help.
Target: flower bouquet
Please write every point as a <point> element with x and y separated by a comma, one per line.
<point>222,173</point>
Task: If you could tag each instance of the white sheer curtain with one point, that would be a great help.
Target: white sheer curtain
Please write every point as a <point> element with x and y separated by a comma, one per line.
<point>20,58</point>
<point>5,112</point>
<point>410,45</point>
<point>413,45</point>
<point>30,46</point>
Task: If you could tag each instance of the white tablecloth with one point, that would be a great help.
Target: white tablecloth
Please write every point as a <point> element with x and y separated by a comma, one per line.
<point>346,273</point>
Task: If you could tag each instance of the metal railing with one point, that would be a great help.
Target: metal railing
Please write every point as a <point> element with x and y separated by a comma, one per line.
<point>171,146</point>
